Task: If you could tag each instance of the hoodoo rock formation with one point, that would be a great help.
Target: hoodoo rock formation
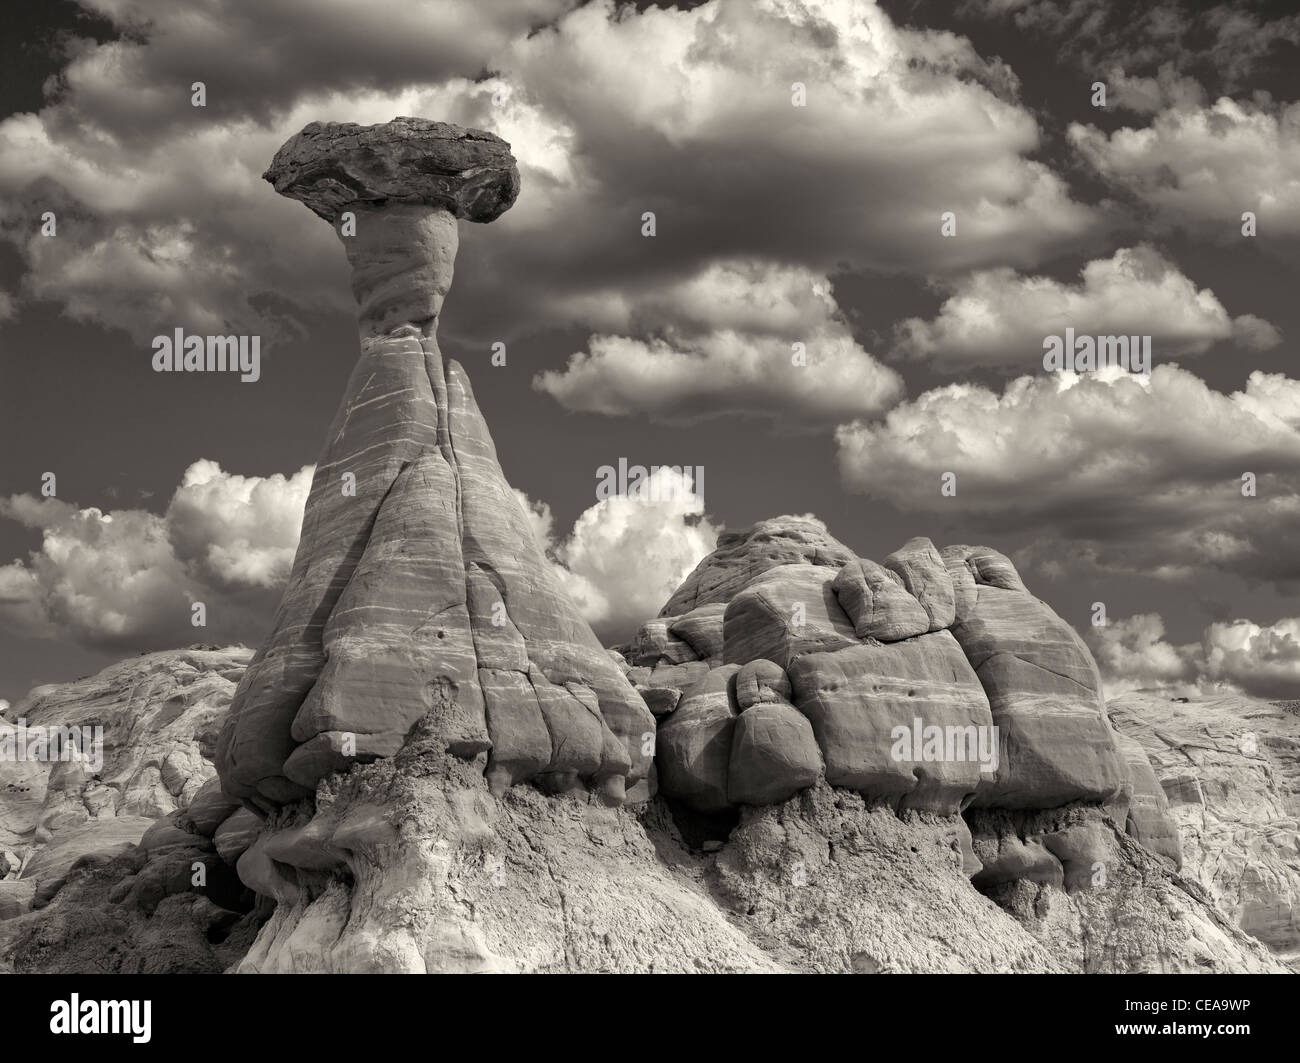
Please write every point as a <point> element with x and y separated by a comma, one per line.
<point>431,764</point>
<point>418,592</point>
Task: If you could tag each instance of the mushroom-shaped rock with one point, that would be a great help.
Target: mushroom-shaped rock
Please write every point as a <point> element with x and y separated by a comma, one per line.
<point>336,166</point>
<point>418,595</point>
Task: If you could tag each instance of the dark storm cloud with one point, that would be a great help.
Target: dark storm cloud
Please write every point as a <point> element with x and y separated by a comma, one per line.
<point>1230,47</point>
<point>684,113</point>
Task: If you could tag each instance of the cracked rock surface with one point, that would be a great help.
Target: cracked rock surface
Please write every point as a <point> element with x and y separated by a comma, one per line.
<point>336,166</point>
<point>1228,769</point>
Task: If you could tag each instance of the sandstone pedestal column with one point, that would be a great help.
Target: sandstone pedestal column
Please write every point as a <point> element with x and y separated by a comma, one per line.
<point>418,592</point>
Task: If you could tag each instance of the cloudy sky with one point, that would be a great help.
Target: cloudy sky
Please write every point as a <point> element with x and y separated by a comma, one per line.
<point>776,225</point>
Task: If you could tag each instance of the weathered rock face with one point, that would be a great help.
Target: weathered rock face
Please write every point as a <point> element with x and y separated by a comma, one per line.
<point>335,166</point>
<point>935,686</point>
<point>935,681</point>
<point>160,714</point>
<point>1102,902</point>
<point>949,642</point>
<point>1229,768</point>
<point>741,556</point>
<point>694,745</point>
<point>445,877</point>
<point>412,864</point>
<point>774,755</point>
<point>1148,818</point>
<point>93,854</point>
<point>448,878</point>
<point>877,603</point>
<point>784,613</point>
<point>855,699</point>
<point>417,575</point>
<point>1042,686</point>
<point>925,576</point>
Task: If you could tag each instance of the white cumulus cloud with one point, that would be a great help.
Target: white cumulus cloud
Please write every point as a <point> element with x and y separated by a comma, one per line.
<point>624,557</point>
<point>1132,653</point>
<point>1137,473</point>
<point>1201,167</point>
<point>1256,659</point>
<point>126,579</point>
<point>999,317</point>
<point>242,529</point>
<point>724,342</point>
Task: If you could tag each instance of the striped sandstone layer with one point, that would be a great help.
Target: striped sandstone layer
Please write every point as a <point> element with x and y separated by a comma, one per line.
<point>418,591</point>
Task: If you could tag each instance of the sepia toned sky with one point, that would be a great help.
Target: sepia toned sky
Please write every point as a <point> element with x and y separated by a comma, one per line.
<point>775,225</point>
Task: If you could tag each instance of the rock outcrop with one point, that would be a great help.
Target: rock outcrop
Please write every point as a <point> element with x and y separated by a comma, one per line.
<point>411,864</point>
<point>857,697</point>
<point>1227,768</point>
<point>418,587</point>
<point>1064,825</point>
<point>159,716</point>
<point>1042,685</point>
<point>530,883</point>
<point>934,684</point>
<point>947,646</point>
<point>806,762</point>
<point>336,166</point>
<point>741,556</point>
<point>1102,902</point>
<point>115,869</point>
